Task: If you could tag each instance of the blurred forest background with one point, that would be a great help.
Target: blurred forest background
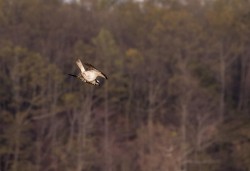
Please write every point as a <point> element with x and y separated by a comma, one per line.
<point>177,98</point>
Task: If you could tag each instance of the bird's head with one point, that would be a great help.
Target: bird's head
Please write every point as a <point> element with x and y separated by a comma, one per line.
<point>99,80</point>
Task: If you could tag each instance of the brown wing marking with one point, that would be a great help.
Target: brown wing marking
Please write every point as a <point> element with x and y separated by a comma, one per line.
<point>103,74</point>
<point>89,66</point>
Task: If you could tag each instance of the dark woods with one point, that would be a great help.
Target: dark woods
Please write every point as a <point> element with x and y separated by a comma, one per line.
<point>177,97</point>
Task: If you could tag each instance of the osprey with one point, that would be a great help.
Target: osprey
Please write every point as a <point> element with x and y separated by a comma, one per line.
<point>90,75</point>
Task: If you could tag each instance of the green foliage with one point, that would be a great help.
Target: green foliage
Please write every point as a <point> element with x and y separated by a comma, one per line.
<point>134,58</point>
<point>105,44</point>
<point>205,76</point>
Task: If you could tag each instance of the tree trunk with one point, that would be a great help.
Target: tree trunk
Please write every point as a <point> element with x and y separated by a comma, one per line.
<point>223,84</point>
<point>107,154</point>
<point>183,135</point>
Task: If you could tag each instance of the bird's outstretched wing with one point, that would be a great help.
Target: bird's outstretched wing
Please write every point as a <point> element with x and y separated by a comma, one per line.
<point>91,67</point>
<point>103,74</point>
<point>80,65</point>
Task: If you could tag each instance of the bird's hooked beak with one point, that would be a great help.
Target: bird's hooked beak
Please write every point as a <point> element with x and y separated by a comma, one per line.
<point>97,82</point>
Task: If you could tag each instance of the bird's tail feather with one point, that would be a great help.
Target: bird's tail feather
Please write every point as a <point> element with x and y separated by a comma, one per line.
<point>72,75</point>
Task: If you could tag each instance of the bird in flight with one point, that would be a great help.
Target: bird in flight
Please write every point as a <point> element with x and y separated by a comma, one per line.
<point>90,74</point>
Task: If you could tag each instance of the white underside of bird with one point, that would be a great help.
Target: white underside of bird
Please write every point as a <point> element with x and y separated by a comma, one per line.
<point>89,75</point>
